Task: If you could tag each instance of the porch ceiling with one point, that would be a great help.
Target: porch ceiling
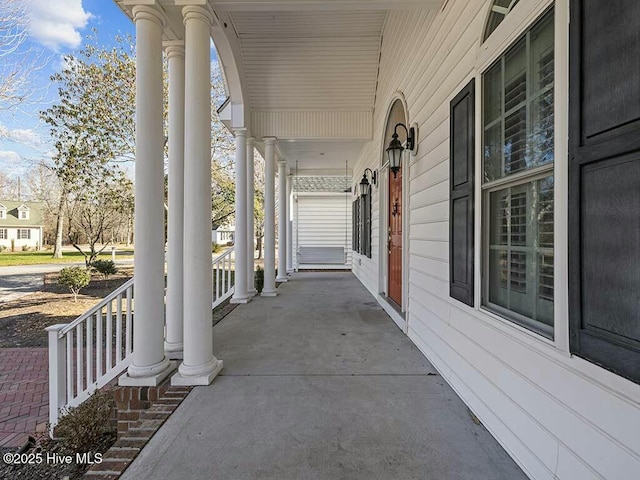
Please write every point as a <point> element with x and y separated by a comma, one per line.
<point>321,154</point>
<point>304,60</point>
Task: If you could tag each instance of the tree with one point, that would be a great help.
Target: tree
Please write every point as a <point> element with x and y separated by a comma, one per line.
<point>75,279</point>
<point>93,122</point>
<point>19,60</point>
<point>98,209</point>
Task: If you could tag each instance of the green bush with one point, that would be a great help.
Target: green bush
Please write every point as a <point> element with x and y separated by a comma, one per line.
<point>105,268</point>
<point>74,278</point>
<point>216,247</point>
<point>259,279</point>
<point>89,427</point>
<point>25,248</point>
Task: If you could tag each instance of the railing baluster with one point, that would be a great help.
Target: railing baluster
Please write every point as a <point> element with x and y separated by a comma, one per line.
<point>89,351</point>
<point>79,359</point>
<point>108,344</point>
<point>119,332</point>
<point>99,355</point>
<point>69,336</point>
<point>127,331</point>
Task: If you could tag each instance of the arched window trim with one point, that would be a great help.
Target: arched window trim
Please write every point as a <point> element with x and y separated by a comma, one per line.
<point>496,16</point>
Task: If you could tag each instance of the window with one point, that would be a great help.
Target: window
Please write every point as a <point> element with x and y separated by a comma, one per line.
<point>361,225</point>
<point>24,215</point>
<point>3,234</point>
<point>518,184</point>
<point>24,234</point>
<point>3,214</point>
<point>499,10</point>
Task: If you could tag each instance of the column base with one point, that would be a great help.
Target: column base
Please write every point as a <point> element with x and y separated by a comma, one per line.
<point>174,351</point>
<point>290,271</point>
<point>269,293</point>
<point>201,379</point>
<point>282,279</point>
<point>252,293</point>
<point>151,381</point>
<point>240,300</point>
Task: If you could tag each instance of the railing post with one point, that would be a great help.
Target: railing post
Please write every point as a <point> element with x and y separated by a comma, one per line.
<point>57,374</point>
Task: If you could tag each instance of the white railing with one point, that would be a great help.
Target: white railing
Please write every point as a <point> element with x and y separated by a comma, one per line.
<point>223,278</point>
<point>96,347</point>
<point>89,352</point>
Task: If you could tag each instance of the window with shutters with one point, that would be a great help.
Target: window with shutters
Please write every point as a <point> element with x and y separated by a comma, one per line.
<point>518,183</point>
<point>3,234</point>
<point>24,234</point>
<point>361,225</point>
<point>357,226</point>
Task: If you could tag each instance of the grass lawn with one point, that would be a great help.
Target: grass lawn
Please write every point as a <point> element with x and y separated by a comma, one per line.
<point>34,258</point>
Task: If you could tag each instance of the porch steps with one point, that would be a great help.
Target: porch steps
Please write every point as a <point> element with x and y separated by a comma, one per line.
<point>128,446</point>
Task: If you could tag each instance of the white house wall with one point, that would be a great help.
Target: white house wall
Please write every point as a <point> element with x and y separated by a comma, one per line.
<point>557,415</point>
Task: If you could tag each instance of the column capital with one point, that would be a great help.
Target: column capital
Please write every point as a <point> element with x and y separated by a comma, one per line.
<point>270,140</point>
<point>196,12</point>
<point>147,12</point>
<point>240,132</point>
<point>282,163</point>
<point>174,48</point>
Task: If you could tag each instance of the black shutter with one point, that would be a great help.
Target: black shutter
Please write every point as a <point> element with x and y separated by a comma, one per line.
<point>604,184</point>
<point>354,227</point>
<point>462,164</point>
<point>367,224</point>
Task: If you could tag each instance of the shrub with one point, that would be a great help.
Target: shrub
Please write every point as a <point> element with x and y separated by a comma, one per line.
<point>25,248</point>
<point>74,278</point>
<point>2,248</point>
<point>259,279</point>
<point>90,427</point>
<point>216,247</point>
<point>105,268</point>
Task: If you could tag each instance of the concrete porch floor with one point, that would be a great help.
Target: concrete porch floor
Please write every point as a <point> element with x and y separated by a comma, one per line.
<point>319,383</point>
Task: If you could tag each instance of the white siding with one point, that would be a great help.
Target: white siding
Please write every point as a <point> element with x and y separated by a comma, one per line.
<point>322,220</point>
<point>557,415</point>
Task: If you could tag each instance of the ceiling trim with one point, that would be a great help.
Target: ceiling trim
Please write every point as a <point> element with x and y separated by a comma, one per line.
<point>323,5</point>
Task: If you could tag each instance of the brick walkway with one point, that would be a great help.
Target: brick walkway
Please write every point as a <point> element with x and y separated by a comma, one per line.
<point>24,394</point>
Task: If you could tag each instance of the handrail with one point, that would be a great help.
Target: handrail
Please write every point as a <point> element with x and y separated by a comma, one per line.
<point>109,298</point>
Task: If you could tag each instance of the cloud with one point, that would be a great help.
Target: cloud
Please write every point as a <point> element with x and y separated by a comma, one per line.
<point>57,24</point>
<point>9,158</point>
<point>24,136</point>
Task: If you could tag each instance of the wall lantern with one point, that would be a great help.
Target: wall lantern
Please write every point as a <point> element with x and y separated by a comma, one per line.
<point>364,183</point>
<point>395,149</point>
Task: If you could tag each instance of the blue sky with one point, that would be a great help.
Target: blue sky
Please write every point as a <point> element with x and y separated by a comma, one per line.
<point>55,28</point>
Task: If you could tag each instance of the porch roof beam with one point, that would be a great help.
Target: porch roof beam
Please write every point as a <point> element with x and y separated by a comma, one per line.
<point>320,5</point>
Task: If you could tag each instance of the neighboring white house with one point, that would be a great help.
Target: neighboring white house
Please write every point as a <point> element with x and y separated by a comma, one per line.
<point>223,235</point>
<point>21,225</point>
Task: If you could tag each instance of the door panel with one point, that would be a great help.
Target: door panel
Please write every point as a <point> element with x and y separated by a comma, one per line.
<point>395,237</point>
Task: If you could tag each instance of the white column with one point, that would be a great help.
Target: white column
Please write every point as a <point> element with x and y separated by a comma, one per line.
<point>149,365</point>
<point>175,223</point>
<point>251,245</point>
<point>199,366</point>
<point>282,221</point>
<point>269,288</point>
<point>289,229</point>
<point>240,294</point>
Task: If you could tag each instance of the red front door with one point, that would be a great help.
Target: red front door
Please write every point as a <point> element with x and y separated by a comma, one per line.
<point>395,237</point>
